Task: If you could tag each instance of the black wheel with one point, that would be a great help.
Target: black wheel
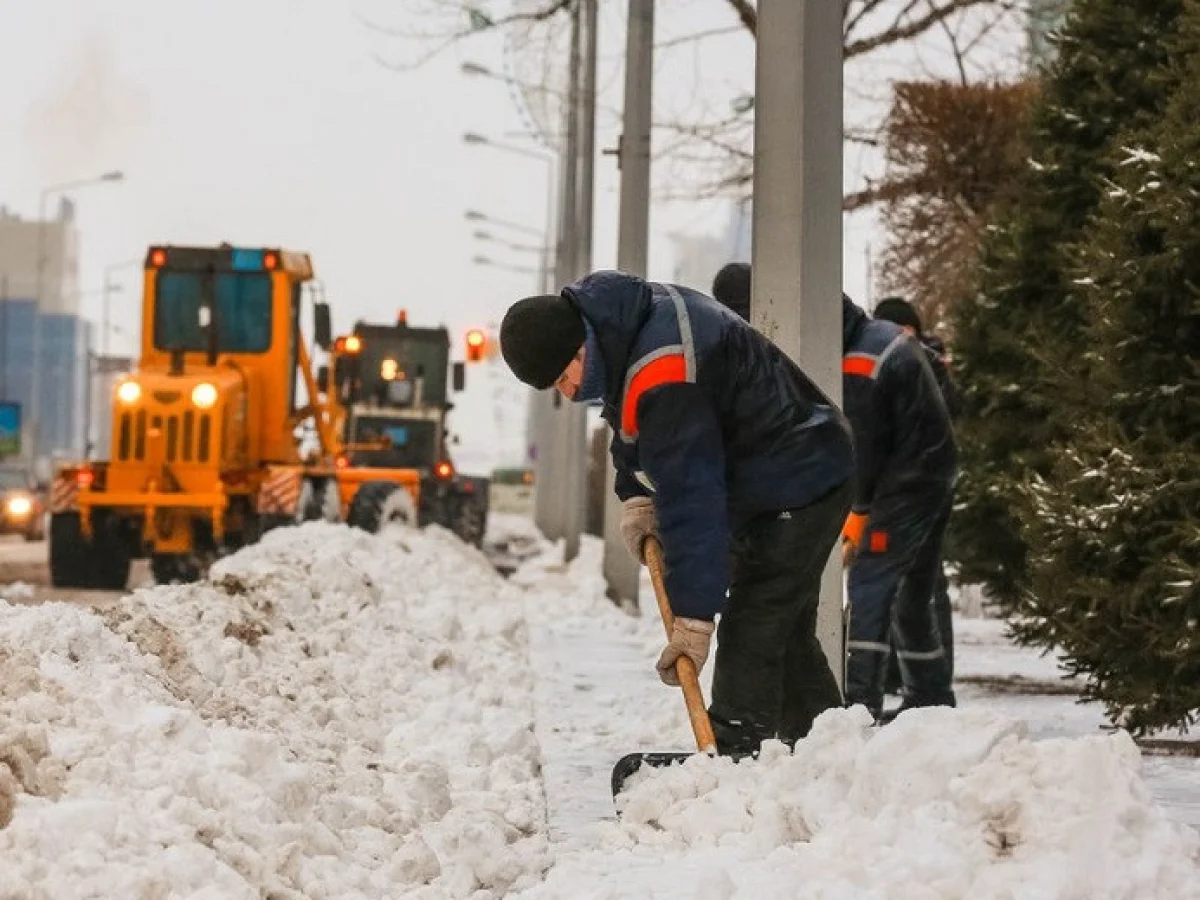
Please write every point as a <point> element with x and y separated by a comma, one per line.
<point>378,503</point>
<point>470,521</point>
<point>76,562</point>
<point>169,568</point>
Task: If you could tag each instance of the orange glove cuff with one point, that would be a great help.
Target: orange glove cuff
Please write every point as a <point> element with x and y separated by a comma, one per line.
<point>852,531</point>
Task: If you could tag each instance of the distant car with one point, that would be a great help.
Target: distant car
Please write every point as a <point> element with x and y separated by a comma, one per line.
<point>22,510</point>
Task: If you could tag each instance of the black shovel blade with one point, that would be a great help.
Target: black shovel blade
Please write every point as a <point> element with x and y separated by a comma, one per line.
<point>632,762</point>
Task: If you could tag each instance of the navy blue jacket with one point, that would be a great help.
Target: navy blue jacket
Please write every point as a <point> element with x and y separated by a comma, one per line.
<point>902,433</point>
<point>711,419</point>
<point>935,352</point>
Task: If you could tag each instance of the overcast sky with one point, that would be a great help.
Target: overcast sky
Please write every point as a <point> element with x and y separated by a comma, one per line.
<point>273,122</point>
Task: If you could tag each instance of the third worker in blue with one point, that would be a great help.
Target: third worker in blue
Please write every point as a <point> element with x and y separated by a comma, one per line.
<point>904,473</point>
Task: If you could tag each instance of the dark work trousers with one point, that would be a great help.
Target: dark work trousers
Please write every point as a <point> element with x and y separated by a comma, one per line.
<point>941,610</point>
<point>771,678</point>
<point>891,588</point>
<point>941,604</point>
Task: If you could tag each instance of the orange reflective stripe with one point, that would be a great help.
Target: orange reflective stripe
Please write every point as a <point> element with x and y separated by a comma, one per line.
<point>664,370</point>
<point>858,365</point>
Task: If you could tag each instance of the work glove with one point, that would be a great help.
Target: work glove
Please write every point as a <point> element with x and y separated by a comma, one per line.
<point>852,535</point>
<point>690,638</point>
<point>638,522</point>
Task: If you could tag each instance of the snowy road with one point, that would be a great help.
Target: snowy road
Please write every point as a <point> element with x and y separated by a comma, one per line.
<point>335,715</point>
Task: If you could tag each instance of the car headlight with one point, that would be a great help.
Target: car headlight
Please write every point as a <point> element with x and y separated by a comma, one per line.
<point>129,392</point>
<point>19,506</point>
<point>204,395</point>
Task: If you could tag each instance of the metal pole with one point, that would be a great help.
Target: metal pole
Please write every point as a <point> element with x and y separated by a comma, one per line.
<point>797,227</point>
<point>575,458</point>
<point>549,234</point>
<point>621,570</point>
<point>587,138</point>
<point>35,386</point>
<point>3,337</point>
<point>104,315</point>
<point>536,430</point>
<point>87,401</point>
<point>550,468</point>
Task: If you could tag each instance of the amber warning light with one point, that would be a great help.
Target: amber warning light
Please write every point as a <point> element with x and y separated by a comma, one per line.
<point>476,341</point>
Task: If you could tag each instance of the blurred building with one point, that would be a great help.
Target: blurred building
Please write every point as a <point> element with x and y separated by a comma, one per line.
<point>43,349</point>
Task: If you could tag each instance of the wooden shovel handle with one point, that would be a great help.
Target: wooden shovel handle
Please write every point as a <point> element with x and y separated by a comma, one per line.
<point>685,669</point>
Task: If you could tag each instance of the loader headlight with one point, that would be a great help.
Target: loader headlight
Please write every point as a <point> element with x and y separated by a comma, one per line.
<point>19,506</point>
<point>129,392</point>
<point>204,395</point>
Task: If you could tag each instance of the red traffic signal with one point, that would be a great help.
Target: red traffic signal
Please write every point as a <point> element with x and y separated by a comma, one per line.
<point>476,344</point>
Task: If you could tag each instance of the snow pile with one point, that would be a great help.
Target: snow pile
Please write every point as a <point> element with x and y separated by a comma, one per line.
<point>333,715</point>
<point>939,804</point>
<point>337,715</point>
<point>17,592</point>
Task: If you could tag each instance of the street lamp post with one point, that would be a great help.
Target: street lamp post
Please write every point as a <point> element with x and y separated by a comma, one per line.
<point>507,245</point>
<point>485,261</point>
<point>35,406</point>
<point>548,237</point>
<point>108,287</point>
<point>89,357</point>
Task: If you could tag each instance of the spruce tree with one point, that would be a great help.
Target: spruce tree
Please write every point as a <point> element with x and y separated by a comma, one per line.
<point>1017,337</point>
<point>1114,527</point>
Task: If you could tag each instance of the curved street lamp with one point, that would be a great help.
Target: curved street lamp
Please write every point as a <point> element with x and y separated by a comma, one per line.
<point>111,177</point>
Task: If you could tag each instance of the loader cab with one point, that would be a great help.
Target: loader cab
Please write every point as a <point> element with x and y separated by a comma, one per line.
<point>212,314</point>
<point>395,385</point>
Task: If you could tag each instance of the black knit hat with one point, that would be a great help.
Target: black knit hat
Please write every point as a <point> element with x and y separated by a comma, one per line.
<point>539,337</point>
<point>898,310</point>
<point>731,288</point>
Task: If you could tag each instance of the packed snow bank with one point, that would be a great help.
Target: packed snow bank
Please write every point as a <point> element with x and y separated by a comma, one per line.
<point>334,715</point>
<point>939,804</point>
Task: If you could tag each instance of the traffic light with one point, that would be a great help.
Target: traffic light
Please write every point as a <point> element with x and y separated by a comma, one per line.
<point>476,344</point>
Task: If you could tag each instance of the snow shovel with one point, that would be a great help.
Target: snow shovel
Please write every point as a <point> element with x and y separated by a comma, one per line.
<point>689,680</point>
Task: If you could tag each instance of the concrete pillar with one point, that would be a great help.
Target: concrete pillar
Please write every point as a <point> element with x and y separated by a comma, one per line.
<point>621,570</point>
<point>797,228</point>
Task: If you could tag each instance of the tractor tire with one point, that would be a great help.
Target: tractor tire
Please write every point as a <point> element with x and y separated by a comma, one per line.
<point>174,568</point>
<point>76,562</point>
<point>470,520</point>
<point>380,503</point>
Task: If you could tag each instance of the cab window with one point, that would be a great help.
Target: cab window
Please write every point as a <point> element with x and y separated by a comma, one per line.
<point>242,302</point>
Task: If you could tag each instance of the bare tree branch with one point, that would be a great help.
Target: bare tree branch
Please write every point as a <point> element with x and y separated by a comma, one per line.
<point>477,23</point>
<point>697,36</point>
<point>851,20</point>
<point>952,38</point>
<point>747,12</point>
<point>899,31</point>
